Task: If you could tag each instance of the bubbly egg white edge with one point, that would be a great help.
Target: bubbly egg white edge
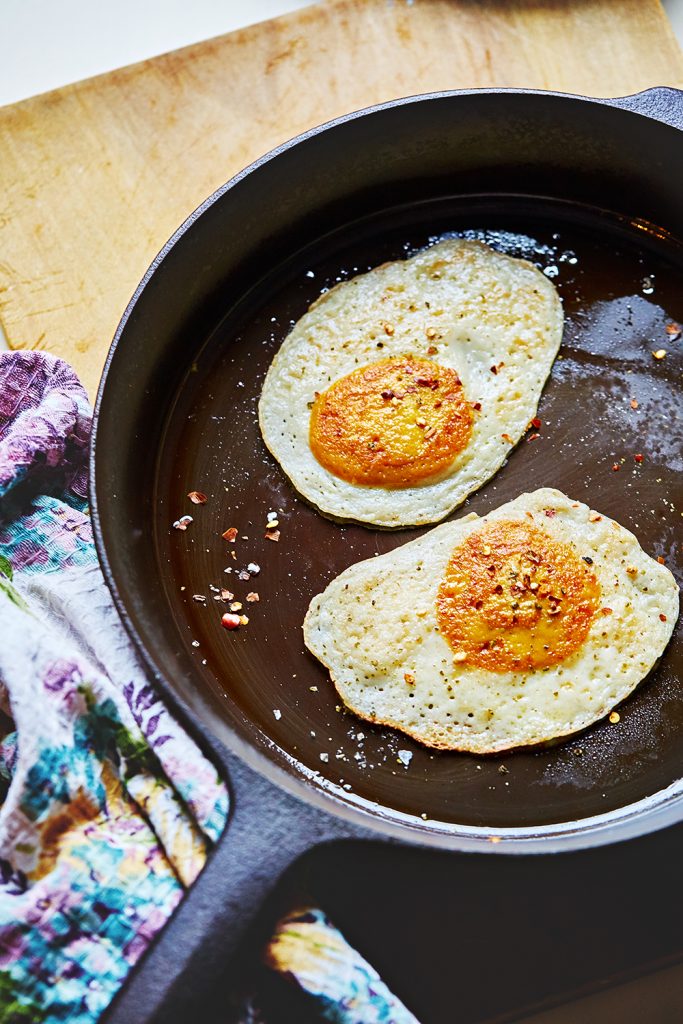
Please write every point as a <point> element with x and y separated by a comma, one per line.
<point>605,669</point>
<point>312,357</point>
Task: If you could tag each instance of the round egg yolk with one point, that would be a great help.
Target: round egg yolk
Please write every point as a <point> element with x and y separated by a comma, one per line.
<point>515,598</point>
<point>392,423</point>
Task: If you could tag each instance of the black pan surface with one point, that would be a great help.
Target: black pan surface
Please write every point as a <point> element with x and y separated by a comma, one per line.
<point>620,281</point>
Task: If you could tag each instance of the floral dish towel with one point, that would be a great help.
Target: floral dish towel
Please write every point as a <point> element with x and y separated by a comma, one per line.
<point>109,810</point>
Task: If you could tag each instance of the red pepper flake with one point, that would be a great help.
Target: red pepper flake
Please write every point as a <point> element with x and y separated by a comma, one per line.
<point>594,517</point>
<point>638,458</point>
<point>427,382</point>
<point>230,535</point>
<point>674,330</point>
<point>616,467</point>
<point>273,535</point>
<point>662,617</point>
<point>252,596</point>
<point>230,621</point>
<point>506,437</point>
<point>226,595</point>
<point>409,678</point>
<point>386,395</point>
<point>550,512</point>
<point>476,406</point>
<point>533,437</point>
<point>536,422</point>
<point>389,329</point>
<point>197,498</point>
<point>182,523</point>
<point>432,350</point>
<point>634,403</point>
<point>661,560</point>
<point>606,611</point>
<point>494,369</point>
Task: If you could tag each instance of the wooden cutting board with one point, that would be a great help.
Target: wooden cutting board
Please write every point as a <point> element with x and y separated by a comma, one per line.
<point>96,176</point>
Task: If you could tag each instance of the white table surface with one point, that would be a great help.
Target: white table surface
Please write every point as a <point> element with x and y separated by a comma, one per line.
<point>48,43</point>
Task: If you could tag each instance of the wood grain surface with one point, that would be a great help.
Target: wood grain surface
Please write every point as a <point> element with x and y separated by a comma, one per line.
<point>96,176</point>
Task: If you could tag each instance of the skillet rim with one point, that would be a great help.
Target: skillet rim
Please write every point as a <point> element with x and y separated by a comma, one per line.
<point>656,811</point>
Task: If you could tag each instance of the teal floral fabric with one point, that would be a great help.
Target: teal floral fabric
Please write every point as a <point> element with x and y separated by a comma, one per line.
<point>108,809</point>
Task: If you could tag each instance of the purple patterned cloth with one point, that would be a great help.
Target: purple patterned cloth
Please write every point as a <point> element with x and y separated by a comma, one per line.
<point>108,809</point>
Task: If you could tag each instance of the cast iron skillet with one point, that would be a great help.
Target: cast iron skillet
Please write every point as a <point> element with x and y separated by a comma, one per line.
<point>590,190</point>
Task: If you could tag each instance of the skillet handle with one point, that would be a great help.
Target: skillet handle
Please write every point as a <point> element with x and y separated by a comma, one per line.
<point>661,104</point>
<point>267,831</point>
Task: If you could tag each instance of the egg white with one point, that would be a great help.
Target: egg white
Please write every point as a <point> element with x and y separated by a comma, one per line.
<point>482,309</point>
<point>377,622</point>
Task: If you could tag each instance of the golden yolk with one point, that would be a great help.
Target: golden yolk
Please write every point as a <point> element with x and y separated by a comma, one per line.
<point>392,423</point>
<point>515,598</point>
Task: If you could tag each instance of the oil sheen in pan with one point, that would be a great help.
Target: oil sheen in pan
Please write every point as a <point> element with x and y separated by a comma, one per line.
<point>620,284</point>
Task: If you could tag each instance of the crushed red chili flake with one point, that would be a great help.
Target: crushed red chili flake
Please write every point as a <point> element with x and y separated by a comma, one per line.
<point>252,596</point>
<point>389,329</point>
<point>197,498</point>
<point>674,330</point>
<point>533,437</point>
<point>230,535</point>
<point>660,560</point>
<point>616,467</point>
<point>476,406</point>
<point>594,517</point>
<point>432,350</point>
<point>230,621</point>
<point>638,458</point>
<point>226,595</point>
<point>182,523</point>
<point>662,617</point>
<point>409,678</point>
<point>634,403</point>
<point>494,369</point>
<point>550,512</point>
<point>536,422</point>
<point>506,437</point>
<point>272,535</point>
<point>606,611</point>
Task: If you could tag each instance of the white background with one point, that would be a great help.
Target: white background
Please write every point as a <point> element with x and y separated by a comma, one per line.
<point>48,43</point>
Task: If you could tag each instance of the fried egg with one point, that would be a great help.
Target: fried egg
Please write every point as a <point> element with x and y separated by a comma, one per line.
<point>401,391</point>
<point>490,633</point>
